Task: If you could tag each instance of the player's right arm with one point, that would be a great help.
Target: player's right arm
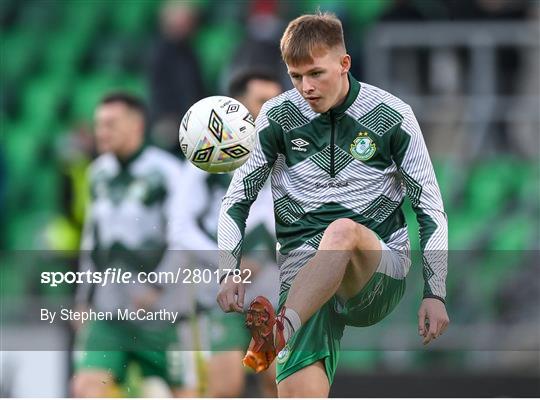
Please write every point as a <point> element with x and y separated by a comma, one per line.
<point>247,181</point>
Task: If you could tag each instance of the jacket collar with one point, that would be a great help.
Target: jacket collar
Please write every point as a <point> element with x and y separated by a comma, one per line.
<point>339,111</point>
<point>354,89</point>
<point>124,163</point>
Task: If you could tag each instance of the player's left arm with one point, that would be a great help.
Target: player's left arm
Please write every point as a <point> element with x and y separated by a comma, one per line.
<point>411,156</point>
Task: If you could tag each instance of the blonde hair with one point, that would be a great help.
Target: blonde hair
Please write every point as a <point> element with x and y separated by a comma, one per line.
<point>309,34</point>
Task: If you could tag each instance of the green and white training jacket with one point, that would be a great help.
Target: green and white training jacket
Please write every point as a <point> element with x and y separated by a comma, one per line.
<point>356,161</point>
<point>133,222</point>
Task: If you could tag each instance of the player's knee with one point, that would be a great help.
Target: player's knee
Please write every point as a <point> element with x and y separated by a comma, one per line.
<point>342,234</point>
<point>90,384</point>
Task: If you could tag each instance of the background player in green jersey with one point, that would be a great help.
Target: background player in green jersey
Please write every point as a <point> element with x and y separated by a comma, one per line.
<point>342,156</point>
<point>131,220</point>
<point>252,87</point>
<point>200,205</point>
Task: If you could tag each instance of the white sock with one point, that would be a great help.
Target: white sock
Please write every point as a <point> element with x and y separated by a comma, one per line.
<point>291,323</point>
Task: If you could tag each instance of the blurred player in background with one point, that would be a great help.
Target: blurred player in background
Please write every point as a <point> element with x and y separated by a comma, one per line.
<point>131,223</point>
<point>228,336</point>
<point>252,87</point>
<point>342,155</point>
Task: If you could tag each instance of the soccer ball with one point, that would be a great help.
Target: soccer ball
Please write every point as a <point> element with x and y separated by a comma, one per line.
<point>217,134</point>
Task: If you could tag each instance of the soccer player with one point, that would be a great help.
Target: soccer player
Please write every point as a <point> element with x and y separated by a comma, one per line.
<point>134,192</point>
<point>342,156</point>
<point>228,336</point>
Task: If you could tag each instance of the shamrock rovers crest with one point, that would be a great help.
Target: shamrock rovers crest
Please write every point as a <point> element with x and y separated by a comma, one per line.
<point>283,355</point>
<point>363,148</point>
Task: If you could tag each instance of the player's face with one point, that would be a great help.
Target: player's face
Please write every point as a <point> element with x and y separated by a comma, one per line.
<point>114,125</point>
<point>322,82</point>
<point>258,92</point>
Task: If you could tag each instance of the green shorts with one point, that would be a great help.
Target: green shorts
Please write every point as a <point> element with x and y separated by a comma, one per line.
<point>228,331</point>
<point>319,338</point>
<point>102,345</point>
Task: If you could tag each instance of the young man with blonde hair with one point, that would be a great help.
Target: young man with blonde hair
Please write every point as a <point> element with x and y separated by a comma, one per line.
<point>342,156</point>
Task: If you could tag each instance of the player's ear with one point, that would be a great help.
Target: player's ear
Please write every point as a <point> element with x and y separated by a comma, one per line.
<point>345,63</point>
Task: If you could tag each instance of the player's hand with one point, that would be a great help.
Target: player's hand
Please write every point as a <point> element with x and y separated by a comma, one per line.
<point>432,319</point>
<point>231,295</point>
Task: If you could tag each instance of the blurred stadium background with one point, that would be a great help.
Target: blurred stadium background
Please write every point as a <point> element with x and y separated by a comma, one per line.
<point>470,70</point>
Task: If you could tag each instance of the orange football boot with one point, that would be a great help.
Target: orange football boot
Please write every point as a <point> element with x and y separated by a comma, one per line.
<point>264,347</point>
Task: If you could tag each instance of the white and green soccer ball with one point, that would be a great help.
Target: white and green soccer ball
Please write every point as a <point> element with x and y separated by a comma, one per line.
<point>217,134</point>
